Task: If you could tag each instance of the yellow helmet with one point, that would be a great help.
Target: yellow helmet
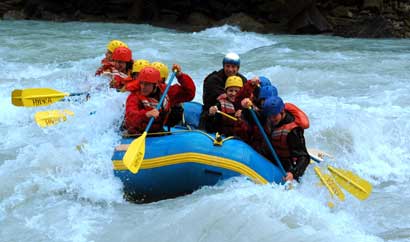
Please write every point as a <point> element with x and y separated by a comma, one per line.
<point>161,67</point>
<point>139,64</point>
<point>114,44</point>
<point>233,81</point>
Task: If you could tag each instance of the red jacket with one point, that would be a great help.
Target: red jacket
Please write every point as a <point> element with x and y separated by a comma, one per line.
<point>136,105</point>
<point>106,66</point>
<point>119,80</point>
<point>247,91</point>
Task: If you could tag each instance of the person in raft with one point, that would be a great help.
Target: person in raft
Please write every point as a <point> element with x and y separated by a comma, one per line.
<point>107,64</point>
<point>225,104</point>
<point>123,64</point>
<point>214,85</point>
<point>138,66</point>
<point>177,111</point>
<point>284,125</point>
<point>162,68</point>
<point>257,90</point>
<point>136,69</point>
<point>142,101</point>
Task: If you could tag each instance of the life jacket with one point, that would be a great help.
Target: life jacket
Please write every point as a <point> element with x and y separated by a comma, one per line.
<point>226,105</point>
<point>116,73</point>
<point>223,124</point>
<point>278,136</point>
<point>119,79</point>
<point>106,66</point>
<point>150,103</point>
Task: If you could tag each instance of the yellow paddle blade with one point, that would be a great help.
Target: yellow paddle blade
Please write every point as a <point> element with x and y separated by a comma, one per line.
<point>135,154</point>
<point>51,117</point>
<point>352,183</point>
<point>35,97</point>
<point>330,184</point>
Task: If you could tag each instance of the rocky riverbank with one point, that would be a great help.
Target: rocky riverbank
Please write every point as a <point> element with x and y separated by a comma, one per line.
<point>347,18</point>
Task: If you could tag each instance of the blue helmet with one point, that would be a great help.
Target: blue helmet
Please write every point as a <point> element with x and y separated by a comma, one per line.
<point>264,81</point>
<point>273,106</point>
<point>267,91</point>
<point>232,58</point>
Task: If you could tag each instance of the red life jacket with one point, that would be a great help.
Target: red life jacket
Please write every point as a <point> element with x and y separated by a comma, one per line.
<point>226,105</point>
<point>225,125</point>
<point>279,135</point>
<point>106,66</point>
<point>119,79</point>
<point>150,103</point>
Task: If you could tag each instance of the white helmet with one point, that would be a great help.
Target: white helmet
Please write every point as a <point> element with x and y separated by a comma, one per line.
<point>232,58</point>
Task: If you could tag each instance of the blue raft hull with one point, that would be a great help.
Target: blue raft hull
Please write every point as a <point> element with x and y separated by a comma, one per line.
<point>185,160</point>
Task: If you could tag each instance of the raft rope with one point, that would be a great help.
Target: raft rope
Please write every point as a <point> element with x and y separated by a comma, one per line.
<point>126,135</point>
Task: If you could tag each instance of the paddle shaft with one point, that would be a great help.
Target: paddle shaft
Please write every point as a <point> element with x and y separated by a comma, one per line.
<point>315,159</point>
<point>78,94</point>
<point>161,100</point>
<point>255,118</point>
<point>227,115</point>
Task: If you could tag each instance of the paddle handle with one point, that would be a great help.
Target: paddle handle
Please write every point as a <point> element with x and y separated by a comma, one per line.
<point>255,118</point>
<point>161,100</point>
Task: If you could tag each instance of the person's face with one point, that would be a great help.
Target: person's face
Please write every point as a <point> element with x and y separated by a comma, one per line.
<point>275,119</point>
<point>231,93</point>
<point>230,69</point>
<point>120,65</point>
<point>146,88</point>
<point>108,55</point>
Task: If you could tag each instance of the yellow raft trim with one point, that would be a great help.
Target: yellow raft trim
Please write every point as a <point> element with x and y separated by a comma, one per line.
<point>197,158</point>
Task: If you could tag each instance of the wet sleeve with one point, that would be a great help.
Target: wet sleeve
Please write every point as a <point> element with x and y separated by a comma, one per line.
<point>298,152</point>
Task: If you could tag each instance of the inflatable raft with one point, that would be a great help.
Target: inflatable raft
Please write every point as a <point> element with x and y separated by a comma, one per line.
<point>185,159</point>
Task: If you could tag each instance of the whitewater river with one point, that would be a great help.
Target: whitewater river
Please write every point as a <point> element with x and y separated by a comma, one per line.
<point>355,91</point>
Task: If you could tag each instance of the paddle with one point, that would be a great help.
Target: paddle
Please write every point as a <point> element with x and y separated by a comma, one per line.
<point>255,118</point>
<point>35,97</point>
<point>227,115</point>
<point>352,183</point>
<point>51,117</point>
<point>136,150</point>
<point>325,179</point>
<point>330,184</point>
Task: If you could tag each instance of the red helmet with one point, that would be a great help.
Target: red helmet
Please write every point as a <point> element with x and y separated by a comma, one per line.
<point>149,74</point>
<point>122,54</point>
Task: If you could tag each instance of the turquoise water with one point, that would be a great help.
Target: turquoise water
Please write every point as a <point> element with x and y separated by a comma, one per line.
<point>355,92</point>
